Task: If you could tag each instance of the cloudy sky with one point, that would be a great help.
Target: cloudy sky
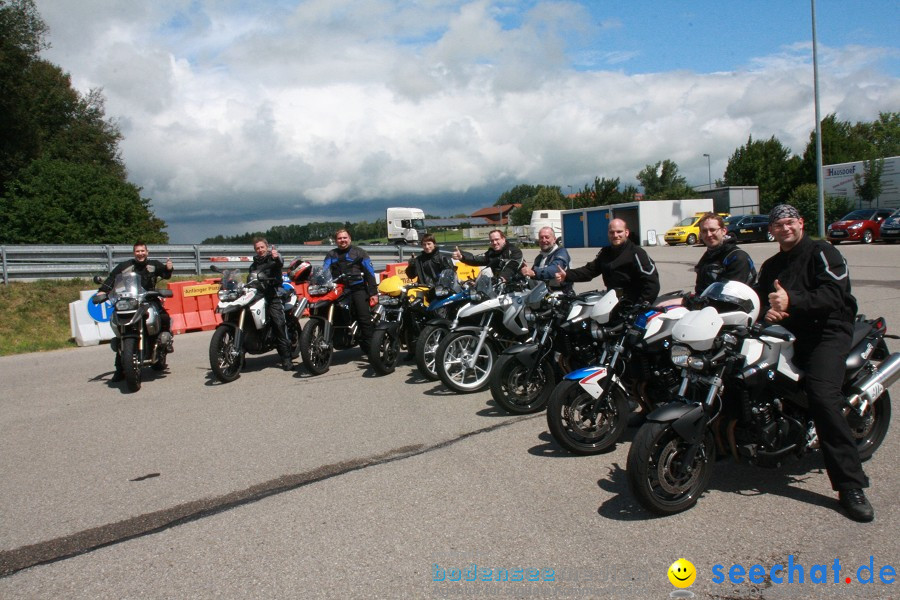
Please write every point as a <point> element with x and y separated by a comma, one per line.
<point>242,114</point>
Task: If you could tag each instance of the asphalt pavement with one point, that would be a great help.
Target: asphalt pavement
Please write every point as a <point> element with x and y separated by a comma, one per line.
<point>350,485</point>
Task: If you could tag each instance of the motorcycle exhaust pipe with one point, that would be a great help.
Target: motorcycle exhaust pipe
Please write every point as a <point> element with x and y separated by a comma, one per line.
<point>870,389</point>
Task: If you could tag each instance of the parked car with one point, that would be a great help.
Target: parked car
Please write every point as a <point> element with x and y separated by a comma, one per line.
<point>863,225</point>
<point>890,228</point>
<point>687,231</point>
<point>748,228</point>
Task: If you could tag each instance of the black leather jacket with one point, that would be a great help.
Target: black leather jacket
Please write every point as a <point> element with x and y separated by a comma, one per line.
<point>149,271</point>
<point>726,262</point>
<point>427,267</point>
<point>509,258</point>
<point>268,269</point>
<point>626,269</point>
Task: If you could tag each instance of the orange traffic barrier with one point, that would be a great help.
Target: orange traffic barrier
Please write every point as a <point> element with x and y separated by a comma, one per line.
<point>398,269</point>
<point>193,305</point>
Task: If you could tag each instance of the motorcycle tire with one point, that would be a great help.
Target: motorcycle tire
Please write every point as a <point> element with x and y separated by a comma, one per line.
<point>131,364</point>
<point>316,352</point>
<point>384,350</point>
<point>655,474</point>
<point>871,428</point>
<point>294,329</point>
<point>426,350</point>
<point>575,429</point>
<point>518,394</point>
<point>452,351</point>
<point>225,360</point>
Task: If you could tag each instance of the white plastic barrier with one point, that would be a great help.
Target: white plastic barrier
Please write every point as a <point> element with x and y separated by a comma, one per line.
<point>90,322</point>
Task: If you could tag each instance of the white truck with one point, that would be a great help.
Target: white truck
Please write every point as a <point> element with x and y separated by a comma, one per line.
<point>545,218</point>
<point>405,225</point>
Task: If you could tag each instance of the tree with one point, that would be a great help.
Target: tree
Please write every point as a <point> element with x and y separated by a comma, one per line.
<point>868,185</point>
<point>545,197</point>
<point>805,198</point>
<point>50,133</point>
<point>767,164</point>
<point>59,202</point>
<point>662,181</point>
<point>517,195</point>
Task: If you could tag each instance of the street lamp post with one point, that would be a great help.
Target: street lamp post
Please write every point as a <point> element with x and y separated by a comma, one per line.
<point>571,198</point>
<point>708,170</point>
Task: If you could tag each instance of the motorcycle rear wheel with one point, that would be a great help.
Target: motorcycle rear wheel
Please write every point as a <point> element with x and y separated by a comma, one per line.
<point>570,419</point>
<point>384,351</point>
<point>316,352</point>
<point>450,359</point>
<point>871,428</point>
<point>656,475</point>
<point>426,350</point>
<point>131,364</point>
<point>225,360</point>
<point>512,389</point>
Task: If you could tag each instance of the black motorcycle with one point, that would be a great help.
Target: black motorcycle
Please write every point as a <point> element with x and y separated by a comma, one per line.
<point>741,394</point>
<point>139,341</point>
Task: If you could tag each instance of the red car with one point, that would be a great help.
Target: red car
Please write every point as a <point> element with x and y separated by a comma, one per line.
<point>862,225</point>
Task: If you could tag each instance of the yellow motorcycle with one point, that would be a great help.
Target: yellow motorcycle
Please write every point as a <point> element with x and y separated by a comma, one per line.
<point>401,305</point>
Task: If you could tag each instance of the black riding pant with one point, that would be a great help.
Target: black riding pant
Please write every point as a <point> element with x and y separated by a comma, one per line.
<point>275,316</point>
<point>359,299</point>
<point>823,356</point>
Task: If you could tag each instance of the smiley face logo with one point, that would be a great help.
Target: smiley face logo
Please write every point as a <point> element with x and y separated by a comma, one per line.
<point>682,573</point>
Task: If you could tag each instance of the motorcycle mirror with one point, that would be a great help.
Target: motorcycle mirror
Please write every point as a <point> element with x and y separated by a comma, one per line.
<point>215,268</point>
<point>97,279</point>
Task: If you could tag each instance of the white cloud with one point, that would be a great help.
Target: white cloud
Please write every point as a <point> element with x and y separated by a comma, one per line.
<point>231,110</point>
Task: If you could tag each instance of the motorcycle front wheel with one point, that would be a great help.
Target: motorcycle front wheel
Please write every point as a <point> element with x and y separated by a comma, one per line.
<point>519,389</point>
<point>225,359</point>
<point>657,471</point>
<point>426,350</point>
<point>452,362</point>
<point>871,427</point>
<point>131,364</point>
<point>384,351</point>
<point>575,427</point>
<point>316,352</point>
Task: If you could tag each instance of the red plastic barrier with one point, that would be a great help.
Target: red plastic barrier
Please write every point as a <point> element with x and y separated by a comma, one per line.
<point>395,269</point>
<point>193,305</point>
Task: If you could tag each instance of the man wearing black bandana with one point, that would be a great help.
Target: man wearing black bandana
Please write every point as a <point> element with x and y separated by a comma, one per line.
<point>806,289</point>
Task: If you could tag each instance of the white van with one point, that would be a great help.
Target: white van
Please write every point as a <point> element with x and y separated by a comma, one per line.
<point>545,218</point>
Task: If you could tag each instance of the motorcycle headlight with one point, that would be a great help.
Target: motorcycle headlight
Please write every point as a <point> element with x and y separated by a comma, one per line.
<point>126,304</point>
<point>388,301</point>
<point>441,291</point>
<point>318,290</point>
<point>228,295</point>
<point>680,356</point>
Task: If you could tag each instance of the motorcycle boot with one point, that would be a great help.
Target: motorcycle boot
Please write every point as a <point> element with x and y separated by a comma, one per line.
<point>118,375</point>
<point>167,340</point>
<point>286,363</point>
<point>857,505</point>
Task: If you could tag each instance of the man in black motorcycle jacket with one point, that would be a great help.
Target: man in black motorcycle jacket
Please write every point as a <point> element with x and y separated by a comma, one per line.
<point>355,265</point>
<point>624,265</point>
<point>267,266</point>
<point>806,289</point>
<point>723,259</point>
<point>149,271</point>
<point>503,257</point>
<point>428,265</point>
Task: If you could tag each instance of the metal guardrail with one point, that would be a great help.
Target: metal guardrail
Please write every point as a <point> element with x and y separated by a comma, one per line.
<point>29,262</point>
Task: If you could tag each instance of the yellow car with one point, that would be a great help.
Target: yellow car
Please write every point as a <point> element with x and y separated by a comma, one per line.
<point>688,231</point>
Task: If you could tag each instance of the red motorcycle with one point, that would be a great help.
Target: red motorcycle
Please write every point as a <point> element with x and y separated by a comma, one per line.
<point>331,323</point>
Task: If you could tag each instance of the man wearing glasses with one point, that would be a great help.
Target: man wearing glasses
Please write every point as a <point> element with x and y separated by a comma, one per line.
<point>723,260</point>
<point>806,289</point>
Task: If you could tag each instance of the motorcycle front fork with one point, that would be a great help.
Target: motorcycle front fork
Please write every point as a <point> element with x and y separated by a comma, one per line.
<point>470,362</point>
